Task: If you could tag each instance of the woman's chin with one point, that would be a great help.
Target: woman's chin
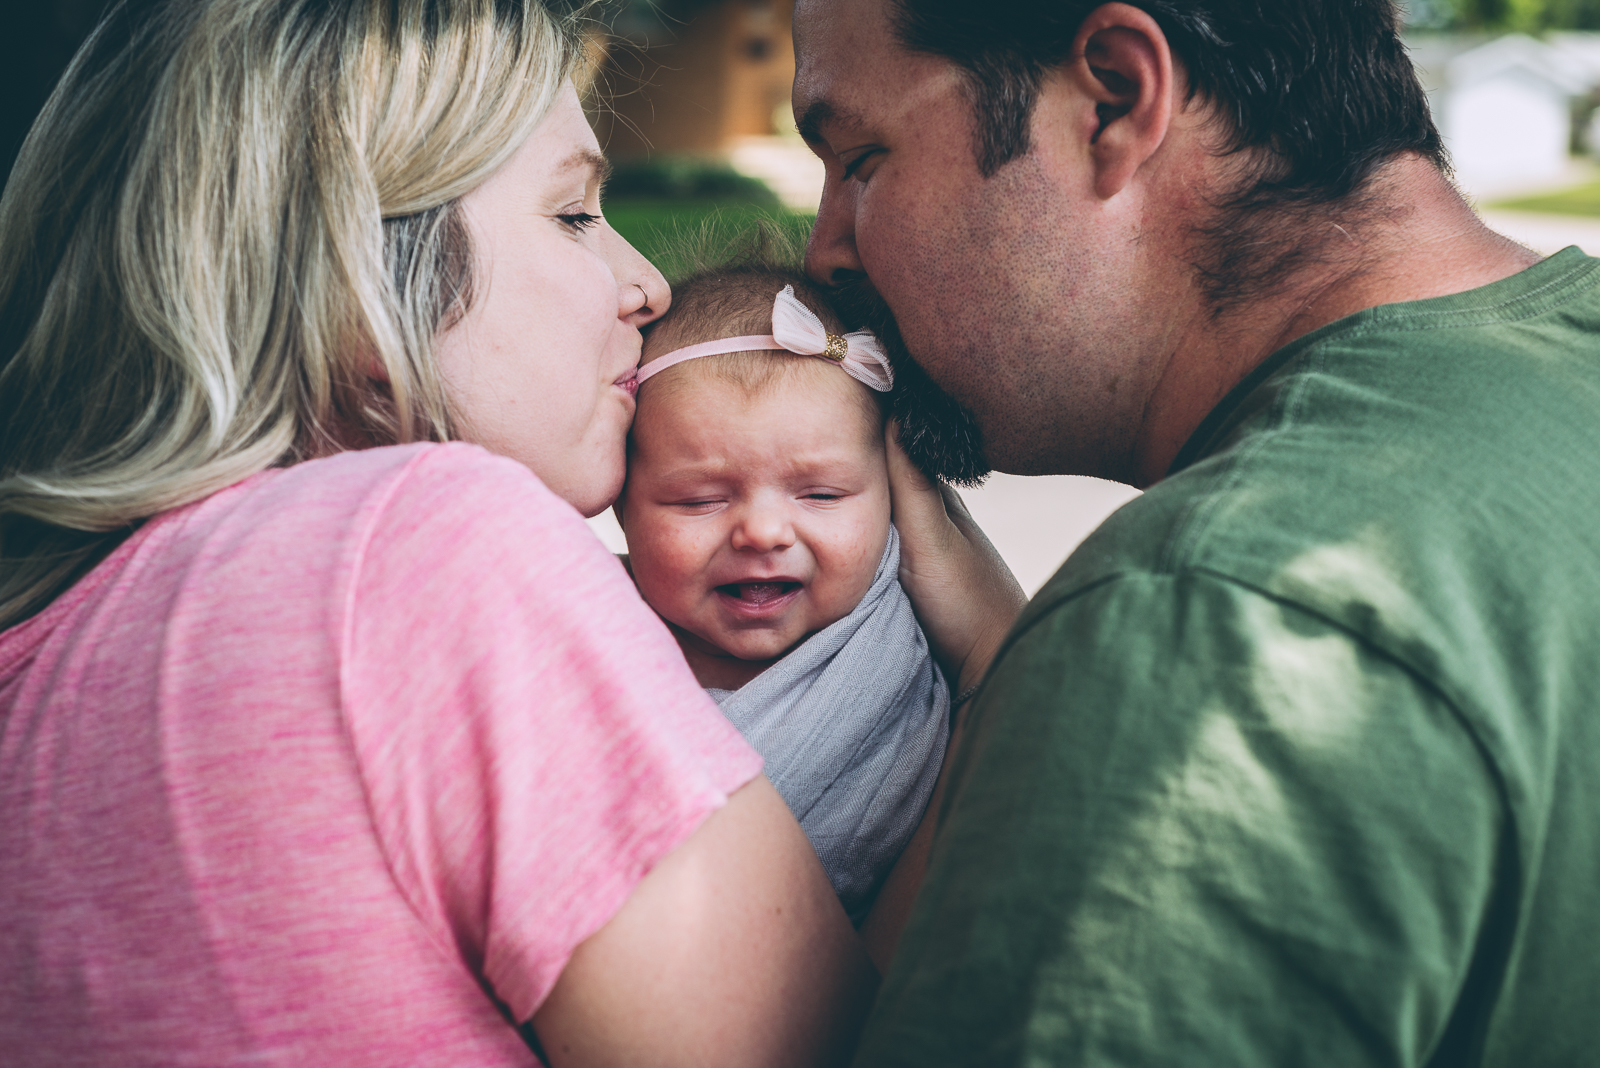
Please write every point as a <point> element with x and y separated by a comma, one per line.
<point>589,512</point>
<point>596,495</point>
<point>590,500</point>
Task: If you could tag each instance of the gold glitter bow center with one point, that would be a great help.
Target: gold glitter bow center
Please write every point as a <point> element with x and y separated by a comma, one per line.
<point>837,348</point>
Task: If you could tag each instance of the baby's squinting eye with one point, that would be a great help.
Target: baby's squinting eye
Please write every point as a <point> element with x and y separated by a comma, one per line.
<point>823,496</point>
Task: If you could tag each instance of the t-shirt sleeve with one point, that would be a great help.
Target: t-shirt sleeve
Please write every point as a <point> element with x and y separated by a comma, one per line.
<point>529,736</point>
<point>1196,825</point>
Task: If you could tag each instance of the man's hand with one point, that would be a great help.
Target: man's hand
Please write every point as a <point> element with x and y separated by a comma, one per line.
<point>966,600</point>
<point>965,597</point>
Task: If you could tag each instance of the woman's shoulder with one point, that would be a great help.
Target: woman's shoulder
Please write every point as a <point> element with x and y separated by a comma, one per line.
<point>362,494</point>
<point>316,530</point>
<point>462,471</point>
<point>296,546</point>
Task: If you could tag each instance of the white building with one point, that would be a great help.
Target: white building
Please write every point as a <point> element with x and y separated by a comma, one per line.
<point>1505,106</point>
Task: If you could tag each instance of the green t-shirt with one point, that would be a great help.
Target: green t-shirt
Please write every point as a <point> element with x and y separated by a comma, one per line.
<point>1296,761</point>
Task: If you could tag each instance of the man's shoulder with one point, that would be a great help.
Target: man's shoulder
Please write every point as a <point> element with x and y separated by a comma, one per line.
<point>1411,443</point>
<point>1425,490</point>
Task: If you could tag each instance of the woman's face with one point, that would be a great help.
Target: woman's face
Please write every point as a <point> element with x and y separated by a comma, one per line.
<point>540,367</point>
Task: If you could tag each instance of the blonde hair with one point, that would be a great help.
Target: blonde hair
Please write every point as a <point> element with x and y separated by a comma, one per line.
<point>228,243</point>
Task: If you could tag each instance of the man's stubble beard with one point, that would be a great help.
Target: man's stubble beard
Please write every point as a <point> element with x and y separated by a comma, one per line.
<point>940,434</point>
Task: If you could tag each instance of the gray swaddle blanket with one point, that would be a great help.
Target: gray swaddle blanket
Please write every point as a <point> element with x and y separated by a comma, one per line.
<point>853,725</point>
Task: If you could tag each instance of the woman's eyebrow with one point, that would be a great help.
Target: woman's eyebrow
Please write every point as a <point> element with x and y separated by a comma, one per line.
<point>598,166</point>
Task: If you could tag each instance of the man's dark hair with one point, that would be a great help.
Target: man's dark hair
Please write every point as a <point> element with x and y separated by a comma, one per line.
<point>939,434</point>
<point>1322,89</point>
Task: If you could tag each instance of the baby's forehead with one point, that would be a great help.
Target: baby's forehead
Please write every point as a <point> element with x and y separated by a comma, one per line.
<point>733,318</point>
<point>684,399</point>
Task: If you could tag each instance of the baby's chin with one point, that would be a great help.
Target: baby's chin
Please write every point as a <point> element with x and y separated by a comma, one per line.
<point>755,647</point>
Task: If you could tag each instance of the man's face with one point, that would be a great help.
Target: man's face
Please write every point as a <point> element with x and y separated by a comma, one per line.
<point>1018,293</point>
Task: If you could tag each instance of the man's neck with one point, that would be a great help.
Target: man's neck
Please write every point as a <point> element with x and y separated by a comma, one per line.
<point>1421,240</point>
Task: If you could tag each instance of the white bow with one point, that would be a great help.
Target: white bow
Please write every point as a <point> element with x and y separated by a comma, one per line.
<point>797,328</point>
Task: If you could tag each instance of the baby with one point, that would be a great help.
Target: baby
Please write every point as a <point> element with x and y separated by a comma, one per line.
<point>757,517</point>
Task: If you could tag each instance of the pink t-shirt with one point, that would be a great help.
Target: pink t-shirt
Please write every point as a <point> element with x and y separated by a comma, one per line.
<point>333,768</point>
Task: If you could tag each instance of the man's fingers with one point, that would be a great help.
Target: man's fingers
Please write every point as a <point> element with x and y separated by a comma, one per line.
<point>903,474</point>
<point>955,507</point>
<point>919,504</point>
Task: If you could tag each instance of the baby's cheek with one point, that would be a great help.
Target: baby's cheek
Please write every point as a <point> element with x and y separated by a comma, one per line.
<point>853,565</point>
<point>667,566</point>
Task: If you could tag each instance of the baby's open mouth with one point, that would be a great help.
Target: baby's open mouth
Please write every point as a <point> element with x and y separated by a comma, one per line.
<point>757,593</point>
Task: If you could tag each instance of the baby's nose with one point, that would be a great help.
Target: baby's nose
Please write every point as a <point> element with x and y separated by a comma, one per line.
<point>763,531</point>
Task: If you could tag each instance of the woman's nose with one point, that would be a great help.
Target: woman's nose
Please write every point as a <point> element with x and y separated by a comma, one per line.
<point>642,293</point>
<point>762,530</point>
<point>831,257</point>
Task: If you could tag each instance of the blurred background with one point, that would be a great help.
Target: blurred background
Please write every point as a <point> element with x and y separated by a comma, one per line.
<point>690,99</point>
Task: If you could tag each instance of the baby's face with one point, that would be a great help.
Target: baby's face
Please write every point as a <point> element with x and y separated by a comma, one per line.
<point>754,521</point>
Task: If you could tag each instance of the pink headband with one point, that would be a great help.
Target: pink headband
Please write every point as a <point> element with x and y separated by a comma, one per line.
<point>797,329</point>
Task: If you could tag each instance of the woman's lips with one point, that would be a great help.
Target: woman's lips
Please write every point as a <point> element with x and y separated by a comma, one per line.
<point>755,599</point>
<point>629,383</point>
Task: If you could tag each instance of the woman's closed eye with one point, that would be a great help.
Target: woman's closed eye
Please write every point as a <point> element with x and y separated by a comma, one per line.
<point>578,221</point>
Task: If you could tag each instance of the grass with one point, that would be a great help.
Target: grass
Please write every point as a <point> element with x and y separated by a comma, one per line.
<point>671,232</point>
<point>1580,200</point>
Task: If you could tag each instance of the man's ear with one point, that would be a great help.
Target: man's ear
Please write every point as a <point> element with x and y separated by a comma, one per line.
<point>1121,60</point>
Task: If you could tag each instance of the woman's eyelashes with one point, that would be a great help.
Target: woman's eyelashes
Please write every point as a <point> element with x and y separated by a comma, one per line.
<point>578,221</point>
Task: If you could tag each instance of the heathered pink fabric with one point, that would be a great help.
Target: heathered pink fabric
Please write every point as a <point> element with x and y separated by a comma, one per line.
<point>319,769</point>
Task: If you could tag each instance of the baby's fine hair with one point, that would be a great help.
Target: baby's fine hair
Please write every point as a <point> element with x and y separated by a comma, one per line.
<point>730,294</point>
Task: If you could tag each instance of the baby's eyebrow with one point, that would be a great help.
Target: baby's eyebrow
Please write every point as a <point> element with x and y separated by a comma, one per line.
<point>695,473</point>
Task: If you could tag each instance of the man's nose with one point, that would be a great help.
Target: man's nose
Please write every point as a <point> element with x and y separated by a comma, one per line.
<point>831,257</point>
<point>762,530</point>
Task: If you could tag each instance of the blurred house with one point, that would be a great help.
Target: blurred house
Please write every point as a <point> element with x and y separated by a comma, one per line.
<point>709,79</point>
<point>1506,106</point>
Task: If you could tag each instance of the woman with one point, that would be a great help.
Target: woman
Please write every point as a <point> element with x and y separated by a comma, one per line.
<point>323,740</point>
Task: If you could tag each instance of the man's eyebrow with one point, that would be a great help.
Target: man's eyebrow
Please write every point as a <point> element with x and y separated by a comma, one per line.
<point>821,111</point>
<point>816,114</point>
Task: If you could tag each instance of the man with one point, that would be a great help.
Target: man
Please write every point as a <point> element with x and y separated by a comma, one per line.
<point>1294,761</point>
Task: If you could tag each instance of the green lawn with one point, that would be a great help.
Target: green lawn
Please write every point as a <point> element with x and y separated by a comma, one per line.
<point>1580,200</point>
<point>672,232</point>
